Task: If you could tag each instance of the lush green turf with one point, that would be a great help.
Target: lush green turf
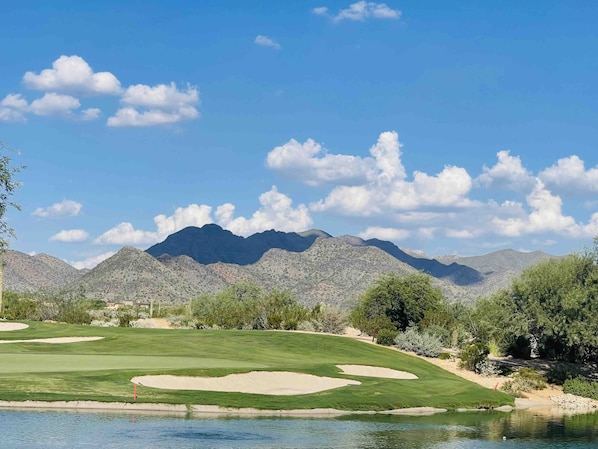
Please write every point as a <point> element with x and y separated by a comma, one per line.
<point>101,370</point>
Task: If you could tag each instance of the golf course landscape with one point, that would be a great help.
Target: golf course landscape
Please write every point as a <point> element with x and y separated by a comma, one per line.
<point>102,369</point>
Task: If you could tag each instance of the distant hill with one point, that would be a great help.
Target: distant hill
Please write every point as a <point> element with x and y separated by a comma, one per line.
<point>313,265</point>
<point>211,244</point>
<point>25,273</point>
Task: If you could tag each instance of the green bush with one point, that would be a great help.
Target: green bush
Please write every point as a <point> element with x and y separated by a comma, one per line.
<point>423,344</point>
<point>386,337</point>
<point>581,387</point>
<point>444,356</point>
<point>472,356</point>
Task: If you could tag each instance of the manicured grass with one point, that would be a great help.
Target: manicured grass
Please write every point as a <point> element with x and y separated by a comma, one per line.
<point>101,370</point>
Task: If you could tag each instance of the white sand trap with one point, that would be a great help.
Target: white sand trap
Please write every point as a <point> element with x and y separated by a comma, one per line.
<point>56,340</point>
<point>375,371</point>
<point>12,326</point>
<point>256,382</point>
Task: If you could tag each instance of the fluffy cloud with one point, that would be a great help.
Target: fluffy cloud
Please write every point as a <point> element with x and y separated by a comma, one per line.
<point>92,261</point>
<point>73,74</point>
<point>141,105</point>
<point>192,215</point>
<point>70,236</point>
<point>545,216</point>
<point>161,104</point>
<point>381,233</point>
<point>387,188</point>
<point>507,173</point>
<point>570,176</point>
<point>14,107</point>
<point>310,163</point>
<point>265,41</point>
<point>54,104</point>
<point>66,208</point>
<point>276,212</point>
<point>125,234</point>
<point>361,11</point>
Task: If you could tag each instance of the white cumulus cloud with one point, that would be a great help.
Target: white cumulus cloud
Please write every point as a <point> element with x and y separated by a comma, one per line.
<point>569,175</point>
<point>508,173</point>
<point>265,41</point>
<point>545,216</point>
<point>310,163</point>
<point>70,236</point>
<point>54,104</point>
<point>161,104</point>
<point>387,188</point>
<point>13,108</point>
<point>276,212</point>
<point>73,74</point>
<point>66,208</point>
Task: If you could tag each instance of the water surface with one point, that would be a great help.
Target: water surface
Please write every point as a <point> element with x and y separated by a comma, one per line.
<point>52,430</point>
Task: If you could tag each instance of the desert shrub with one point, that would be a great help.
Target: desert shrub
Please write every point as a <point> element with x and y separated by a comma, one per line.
<point>488,368</point>
<point>472,356</point>
<point>423,344</point>
<point>524,381</point>
<point>386,337</point>
<point>581,387</point>
<point>328,319</point>
<point>445,356</point>
<point>306,326</point>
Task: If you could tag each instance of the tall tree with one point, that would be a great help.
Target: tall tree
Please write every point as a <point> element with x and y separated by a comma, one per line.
<point>396,302</point>
<point>7,187</point>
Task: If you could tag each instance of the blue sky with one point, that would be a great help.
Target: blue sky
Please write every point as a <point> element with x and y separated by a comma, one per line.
<point>447,128</point>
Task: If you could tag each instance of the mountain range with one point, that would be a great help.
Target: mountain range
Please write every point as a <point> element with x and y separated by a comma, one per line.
<point>313,265</point>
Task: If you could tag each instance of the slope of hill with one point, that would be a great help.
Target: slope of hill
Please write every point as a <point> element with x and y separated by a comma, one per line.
<point>211,244</point>
<point>25,273</point>
<point>132,274</point>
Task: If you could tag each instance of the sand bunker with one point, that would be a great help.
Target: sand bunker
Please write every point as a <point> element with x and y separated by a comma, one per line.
<point>375,371</point>
<point>56,340</point>
<point>12,326</point>
<point>256,382</point>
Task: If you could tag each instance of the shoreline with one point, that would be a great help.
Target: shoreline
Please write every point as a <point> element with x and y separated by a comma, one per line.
<point>215,410</point>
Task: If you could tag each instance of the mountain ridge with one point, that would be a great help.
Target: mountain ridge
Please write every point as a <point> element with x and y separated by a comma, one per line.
<point>313,265</point>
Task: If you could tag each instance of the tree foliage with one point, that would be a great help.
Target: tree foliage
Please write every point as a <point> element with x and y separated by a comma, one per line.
<point>395,302</point>
<point>551,308</point>
<point>8,185</point>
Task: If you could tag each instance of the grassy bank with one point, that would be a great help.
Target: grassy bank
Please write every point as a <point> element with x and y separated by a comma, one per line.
<point>101,370</point>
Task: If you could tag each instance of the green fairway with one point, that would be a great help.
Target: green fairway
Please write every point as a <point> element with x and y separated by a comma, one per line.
<point>101,370</point>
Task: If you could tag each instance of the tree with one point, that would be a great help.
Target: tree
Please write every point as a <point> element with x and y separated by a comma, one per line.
<point>560,301</point>
<point>395,302</point>
<point>7,187</point>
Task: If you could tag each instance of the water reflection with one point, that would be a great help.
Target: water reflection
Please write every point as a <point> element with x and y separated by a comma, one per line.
<point>53,430</point>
